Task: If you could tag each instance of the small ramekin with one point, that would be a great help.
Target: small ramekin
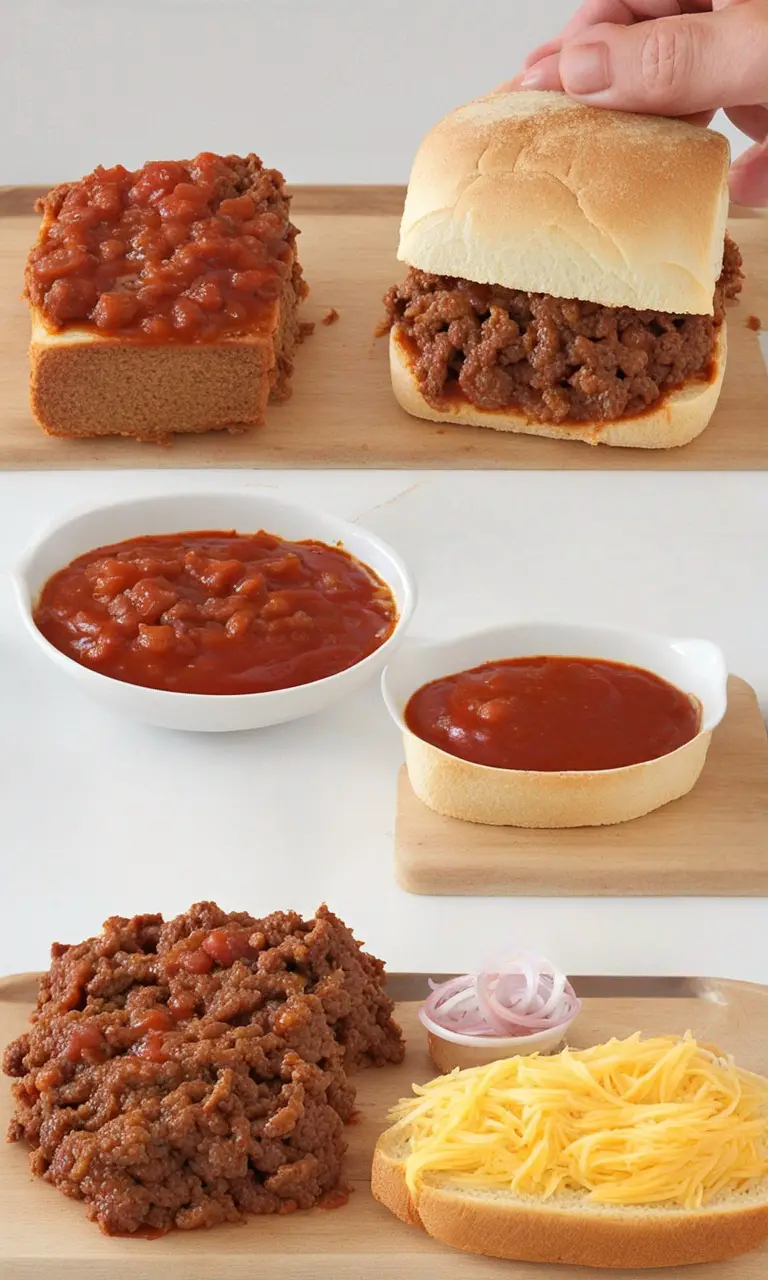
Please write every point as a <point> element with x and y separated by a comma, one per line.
<point>449,1049</point>
<point>478,793</point>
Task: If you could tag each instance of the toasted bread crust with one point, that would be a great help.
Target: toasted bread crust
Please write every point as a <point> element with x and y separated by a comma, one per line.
<point>523,1232</point>
<point>472,792</point>
<point>388,1186</point>
<point>679,418</point>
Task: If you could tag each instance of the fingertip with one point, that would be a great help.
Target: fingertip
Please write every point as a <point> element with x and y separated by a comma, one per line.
<point>543,51</point>
<point>544,75</point>
<point>701,118</point>
<point>586,69</point>
<point>748,179</point>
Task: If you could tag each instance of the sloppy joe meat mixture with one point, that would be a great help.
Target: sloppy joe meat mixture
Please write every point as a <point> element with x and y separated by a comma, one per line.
<point>554,359</point>
<point>176,251</point>
<point>191,1071</point>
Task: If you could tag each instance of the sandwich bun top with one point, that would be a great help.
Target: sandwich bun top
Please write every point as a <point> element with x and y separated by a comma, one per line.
<point>535,191</point>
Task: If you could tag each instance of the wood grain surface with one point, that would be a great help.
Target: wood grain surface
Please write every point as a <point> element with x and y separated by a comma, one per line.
<point>342,413</point>
<point>45,1236</point>
<point>712,842</point>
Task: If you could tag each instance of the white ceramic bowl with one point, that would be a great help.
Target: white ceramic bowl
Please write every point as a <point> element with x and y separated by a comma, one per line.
<point>246,512</point>
<point>508,797</point>
<point>450,1049</point>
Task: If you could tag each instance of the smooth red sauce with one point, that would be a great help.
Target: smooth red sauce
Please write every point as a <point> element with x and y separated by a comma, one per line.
<point>553,714</point>
<point>216,612</point>
<point>141,1233</point>
<point>175,251</point>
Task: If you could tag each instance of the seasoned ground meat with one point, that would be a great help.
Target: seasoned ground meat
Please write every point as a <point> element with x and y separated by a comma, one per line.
<point>555,359</point>
<point>188,1072</point>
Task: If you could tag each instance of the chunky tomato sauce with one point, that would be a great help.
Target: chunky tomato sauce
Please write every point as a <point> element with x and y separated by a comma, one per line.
<point>175,251</point>
<point>553,714</point>
<point>216,612</point>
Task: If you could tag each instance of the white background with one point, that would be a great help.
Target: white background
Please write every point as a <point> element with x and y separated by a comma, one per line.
<point>326,90</point>
<point>102,816</point>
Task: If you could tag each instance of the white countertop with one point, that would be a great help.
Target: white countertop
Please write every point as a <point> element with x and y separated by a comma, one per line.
<point>99,816</point>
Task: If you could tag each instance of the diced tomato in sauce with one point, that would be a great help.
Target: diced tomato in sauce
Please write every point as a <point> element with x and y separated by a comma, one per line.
<point>197,961</point>
<point>174,252</point>
<point>216,612</point>
<point>225,946</point>
<point>158,1018</point>
<point>86,1043</point>
<point>152,1047</point>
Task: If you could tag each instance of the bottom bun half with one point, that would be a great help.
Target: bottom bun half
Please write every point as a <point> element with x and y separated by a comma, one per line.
<point>679,418</point>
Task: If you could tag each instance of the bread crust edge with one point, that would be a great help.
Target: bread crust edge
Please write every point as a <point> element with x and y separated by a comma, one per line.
<point>533,1233</point>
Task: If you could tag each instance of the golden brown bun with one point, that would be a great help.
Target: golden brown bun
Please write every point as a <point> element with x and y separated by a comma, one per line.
<point>679,418</point>
<point>521,798</point>
<point>534,191</point>
<point>568,1229</point>
<point>83,384</point>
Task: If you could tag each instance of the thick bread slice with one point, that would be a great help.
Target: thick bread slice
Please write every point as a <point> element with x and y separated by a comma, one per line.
<point>535,191</point>
<point>679,418</point>
<point>569,1229</point>
<point>85,385</point>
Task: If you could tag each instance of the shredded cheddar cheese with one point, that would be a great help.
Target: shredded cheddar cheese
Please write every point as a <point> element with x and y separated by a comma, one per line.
<point>630,1122</point>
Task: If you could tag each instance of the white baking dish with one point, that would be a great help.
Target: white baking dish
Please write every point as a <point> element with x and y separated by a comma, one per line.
<point>247,512</point>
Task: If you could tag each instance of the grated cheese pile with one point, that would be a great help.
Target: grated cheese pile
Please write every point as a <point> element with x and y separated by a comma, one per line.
<point>630,1122</point>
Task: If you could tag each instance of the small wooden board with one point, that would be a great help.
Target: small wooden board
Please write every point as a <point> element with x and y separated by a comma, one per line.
<point>45,1236</point>
<point>713,842</point>
<point>342,413</point>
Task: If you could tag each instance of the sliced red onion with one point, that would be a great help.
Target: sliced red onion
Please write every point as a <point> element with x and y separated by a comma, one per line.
<point>518,997</point>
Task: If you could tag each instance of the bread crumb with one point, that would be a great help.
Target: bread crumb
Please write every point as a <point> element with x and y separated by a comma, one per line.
<point>754,323</point>
<point>330,316</point>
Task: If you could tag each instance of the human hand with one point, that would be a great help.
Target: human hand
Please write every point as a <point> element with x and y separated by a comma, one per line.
<point>669,57</point>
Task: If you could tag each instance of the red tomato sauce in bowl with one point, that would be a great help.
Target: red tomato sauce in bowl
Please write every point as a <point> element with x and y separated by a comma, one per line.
<point>216,612</point>
<point>554,714</point>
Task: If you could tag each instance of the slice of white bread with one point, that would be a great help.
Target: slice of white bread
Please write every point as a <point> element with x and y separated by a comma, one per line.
<point>678,418</point>
<point>567,1228</point>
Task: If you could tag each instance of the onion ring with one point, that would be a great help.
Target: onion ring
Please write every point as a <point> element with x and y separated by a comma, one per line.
<point>518,997</point>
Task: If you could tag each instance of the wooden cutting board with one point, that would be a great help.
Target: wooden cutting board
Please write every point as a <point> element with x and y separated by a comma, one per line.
<point>342,413</point>
<point>46,1237</point>
<point>712,842</point>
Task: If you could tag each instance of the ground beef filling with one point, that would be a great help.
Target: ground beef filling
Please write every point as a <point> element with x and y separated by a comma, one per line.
<point>555,359</point>
<point>188,1072</point>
